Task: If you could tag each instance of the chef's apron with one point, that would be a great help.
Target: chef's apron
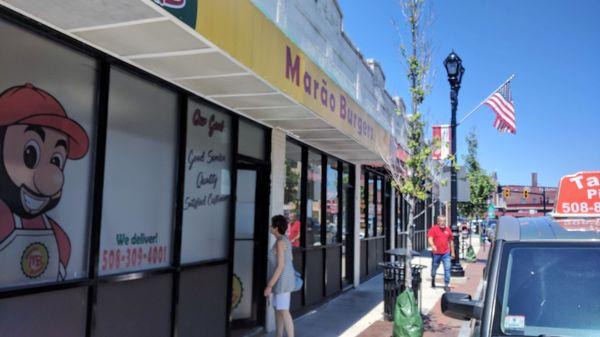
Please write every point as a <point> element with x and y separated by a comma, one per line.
<point>29,255</point>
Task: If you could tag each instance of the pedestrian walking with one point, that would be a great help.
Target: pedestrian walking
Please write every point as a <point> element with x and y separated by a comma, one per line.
<point>440,240</point>
<point>282,279</point>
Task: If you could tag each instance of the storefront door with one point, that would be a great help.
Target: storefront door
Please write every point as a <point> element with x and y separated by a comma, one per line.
<point>249,253</point>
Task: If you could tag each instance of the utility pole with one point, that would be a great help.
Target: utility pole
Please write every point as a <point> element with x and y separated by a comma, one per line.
<point>544,199</point>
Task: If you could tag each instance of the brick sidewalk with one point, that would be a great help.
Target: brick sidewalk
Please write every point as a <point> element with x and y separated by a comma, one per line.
<point>435,323</point>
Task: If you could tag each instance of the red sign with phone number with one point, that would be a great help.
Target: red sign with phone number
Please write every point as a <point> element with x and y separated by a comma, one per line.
<point>579,195</point>
<point>133,257</point>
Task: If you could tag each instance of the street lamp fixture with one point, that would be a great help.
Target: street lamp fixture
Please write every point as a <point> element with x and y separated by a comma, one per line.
<point>455,70</point>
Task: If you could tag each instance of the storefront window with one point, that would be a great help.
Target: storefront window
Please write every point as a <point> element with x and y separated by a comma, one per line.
<point>292,197</point>
<point>313,206</point>
<point>48,103</point>
<point>371,210</point>
<point>380,194</point>
<point>332,201</point>
<point>347,200</point>
<point>207,190</point>
<point>139,182</point>
<point>363,206</point>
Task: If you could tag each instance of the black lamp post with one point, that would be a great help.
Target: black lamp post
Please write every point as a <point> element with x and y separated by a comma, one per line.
<point>455,72</point>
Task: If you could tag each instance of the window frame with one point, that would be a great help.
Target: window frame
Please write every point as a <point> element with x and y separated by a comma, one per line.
<point>304,193</point>
<point>327,159</point>
<point>178,158</point>
<point>372,175</point>
<point>343,206</point>
<point>303,181</point>
<point>348,207</point>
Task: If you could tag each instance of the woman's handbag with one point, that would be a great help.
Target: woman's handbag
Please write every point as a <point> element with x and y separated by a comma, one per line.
<point>299,282</point>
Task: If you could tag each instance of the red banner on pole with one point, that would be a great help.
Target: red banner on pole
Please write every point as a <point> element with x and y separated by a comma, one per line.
<point>441,138</point>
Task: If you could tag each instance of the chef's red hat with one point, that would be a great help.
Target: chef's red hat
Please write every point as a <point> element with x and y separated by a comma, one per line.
<point>26,104</point>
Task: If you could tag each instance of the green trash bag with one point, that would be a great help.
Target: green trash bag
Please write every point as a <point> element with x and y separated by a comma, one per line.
<point>407,318</point>
<point>470,254</point>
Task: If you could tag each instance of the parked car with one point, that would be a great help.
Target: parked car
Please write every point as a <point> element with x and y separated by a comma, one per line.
<point>542,279</point>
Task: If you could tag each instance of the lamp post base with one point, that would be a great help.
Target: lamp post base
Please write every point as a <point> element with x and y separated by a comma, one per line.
<point>457,270</point>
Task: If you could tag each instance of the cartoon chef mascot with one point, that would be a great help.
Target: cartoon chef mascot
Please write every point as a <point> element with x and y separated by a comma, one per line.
<point>36,139</point>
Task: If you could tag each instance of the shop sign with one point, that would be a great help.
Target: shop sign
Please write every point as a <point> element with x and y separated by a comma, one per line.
<point>207,184</point>
<point>134,251</point>
<point>579,195</point>
<point>239,28</point>
<point>330,97</point>
<point>184,10</point>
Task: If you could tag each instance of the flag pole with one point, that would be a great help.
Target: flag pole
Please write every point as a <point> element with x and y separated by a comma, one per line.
<point>480,104</point>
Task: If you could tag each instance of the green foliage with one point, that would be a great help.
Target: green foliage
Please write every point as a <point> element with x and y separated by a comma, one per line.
<point>417,58</point>
<point>415,179</point>
<point>482,187</point>
<point>292,183</point>
<point>481,184</point>
<point>471,158</point>
<point>418,180</point>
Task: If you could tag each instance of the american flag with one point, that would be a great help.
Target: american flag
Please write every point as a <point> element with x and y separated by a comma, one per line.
<point>502,104</point>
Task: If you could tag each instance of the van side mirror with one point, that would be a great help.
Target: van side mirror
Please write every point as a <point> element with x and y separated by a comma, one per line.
<point>459,306</point>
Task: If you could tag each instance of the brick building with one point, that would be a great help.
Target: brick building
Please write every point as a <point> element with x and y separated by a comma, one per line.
<point>538,200</point>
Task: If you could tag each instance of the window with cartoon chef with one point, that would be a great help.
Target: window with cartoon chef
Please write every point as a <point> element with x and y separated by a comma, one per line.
<point>37,139</point>
<point>47,110</point>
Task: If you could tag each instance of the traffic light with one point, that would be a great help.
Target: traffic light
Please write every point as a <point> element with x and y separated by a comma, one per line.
<point>506,193</point>
<point>526,194</point>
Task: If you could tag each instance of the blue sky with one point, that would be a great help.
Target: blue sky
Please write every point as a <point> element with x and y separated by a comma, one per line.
<point>552,46</point>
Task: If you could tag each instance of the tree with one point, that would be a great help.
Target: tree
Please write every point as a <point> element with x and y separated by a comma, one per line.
<point>480,183</point>
<point>413,178</point>
<point>471,158</point>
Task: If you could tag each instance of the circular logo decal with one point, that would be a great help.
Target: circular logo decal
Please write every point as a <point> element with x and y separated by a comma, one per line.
<point>237,291</point>
<point>34,260</point>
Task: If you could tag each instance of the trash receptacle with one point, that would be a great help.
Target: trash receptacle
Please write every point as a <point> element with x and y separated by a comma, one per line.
<point>393,285</point>
<point>416,281</point>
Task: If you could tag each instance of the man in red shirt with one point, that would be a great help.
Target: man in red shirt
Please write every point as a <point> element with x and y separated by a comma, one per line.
<point>294,234</point>
<point>440,240</point>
